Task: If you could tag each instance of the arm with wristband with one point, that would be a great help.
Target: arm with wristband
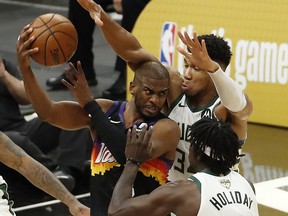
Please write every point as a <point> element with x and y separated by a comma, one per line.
<point>113,137</point>
<point>138,150</point>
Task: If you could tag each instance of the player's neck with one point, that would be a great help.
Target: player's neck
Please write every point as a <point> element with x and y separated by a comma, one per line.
<point>198,103</point>
<point>202,98</point>
<point>131,115</point>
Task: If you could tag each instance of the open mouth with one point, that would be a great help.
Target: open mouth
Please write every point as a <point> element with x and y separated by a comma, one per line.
<point>151,109</point>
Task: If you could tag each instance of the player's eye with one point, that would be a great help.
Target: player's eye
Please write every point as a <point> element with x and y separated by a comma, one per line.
<point>196,68</point>
<point>148,92</point>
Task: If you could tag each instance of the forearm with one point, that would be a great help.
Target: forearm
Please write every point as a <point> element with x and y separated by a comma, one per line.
<point>16,88</point>
<point>113,137</point>
<point>38,97</point>
<point>16,158</point>
<point>123,188</point>
<point>122,42</point>
<point>230,93</point>
<point>45,180</point>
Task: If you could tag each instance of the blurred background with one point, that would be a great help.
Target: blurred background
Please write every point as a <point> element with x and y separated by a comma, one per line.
<point>257,33</point>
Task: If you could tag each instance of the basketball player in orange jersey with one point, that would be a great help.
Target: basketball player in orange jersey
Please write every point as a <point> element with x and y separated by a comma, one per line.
<point>108,122</point>
<point>203,91</point>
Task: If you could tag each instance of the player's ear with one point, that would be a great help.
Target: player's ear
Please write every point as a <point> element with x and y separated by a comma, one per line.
<point>132,88</point>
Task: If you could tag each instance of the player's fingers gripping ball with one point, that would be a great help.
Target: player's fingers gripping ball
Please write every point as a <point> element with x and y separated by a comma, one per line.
<point>56,38</point>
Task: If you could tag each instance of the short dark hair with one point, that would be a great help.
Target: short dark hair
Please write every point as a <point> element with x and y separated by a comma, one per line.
<point>215,142</point>
<point>218,49</point>
<point>153,70</point>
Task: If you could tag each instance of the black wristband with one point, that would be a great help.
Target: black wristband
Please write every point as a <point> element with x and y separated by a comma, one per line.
<point>92,107</point>
<point>134,161</point>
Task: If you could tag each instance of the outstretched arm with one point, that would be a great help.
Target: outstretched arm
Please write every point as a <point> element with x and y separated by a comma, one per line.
<point>138,150</point>
<point>230,93</point>
<point>122,41</point>
<point>96,109</point>
<point>14,157</point>
<point>161,201</point>
<point>235,106</point>
<point>61,114</point>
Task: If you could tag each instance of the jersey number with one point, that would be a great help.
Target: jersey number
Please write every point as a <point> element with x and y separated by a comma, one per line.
<point>180,162</point>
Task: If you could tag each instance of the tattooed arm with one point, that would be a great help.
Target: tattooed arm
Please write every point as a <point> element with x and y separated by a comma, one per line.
<point>14,157</point>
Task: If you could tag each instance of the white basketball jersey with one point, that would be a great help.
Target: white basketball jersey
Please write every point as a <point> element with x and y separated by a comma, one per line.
<point>185,116</point>
<point>5,204</point>
<point>225,195</point>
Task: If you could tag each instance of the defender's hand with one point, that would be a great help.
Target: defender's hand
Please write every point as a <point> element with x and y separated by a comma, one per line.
<point>78,86</point>
<point>138,145</point>
<point>93,9</point>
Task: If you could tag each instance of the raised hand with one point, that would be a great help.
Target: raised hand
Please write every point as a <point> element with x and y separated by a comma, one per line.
<point>23,45</point>
<point>138,145</point>
<point>78,86</point>
<point>197,55</point>
<point>93,9</point>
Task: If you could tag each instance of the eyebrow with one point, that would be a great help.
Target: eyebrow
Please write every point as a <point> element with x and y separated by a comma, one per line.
<point>150,89</point>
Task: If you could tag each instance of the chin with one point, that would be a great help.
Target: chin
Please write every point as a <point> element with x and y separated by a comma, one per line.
<point>150,115</point>
<point>191,170</point>
<point>186,91</point>
<point>147,115</point>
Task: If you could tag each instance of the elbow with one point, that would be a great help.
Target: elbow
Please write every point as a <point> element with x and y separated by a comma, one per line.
<point>115,210</point>
<point>238,105</point>
<point>245,113</point>
<point>112,212</point>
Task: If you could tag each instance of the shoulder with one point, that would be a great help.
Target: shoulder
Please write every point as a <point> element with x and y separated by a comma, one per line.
<point>167,124</point>
<point>167,133</point>
<point>181,186</point>
<point>105,104</point>
<point>176,81</point>
<point>182,193</point>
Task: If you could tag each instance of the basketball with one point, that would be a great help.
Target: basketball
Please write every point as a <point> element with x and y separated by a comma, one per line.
<point>56,38</point>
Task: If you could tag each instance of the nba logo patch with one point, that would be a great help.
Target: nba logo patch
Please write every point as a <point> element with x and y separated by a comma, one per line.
<point>167,43</point>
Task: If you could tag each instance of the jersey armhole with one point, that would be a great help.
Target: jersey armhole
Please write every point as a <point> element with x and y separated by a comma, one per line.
<point>114,107</point>
<point>196,181</point>
<point>175,102</point>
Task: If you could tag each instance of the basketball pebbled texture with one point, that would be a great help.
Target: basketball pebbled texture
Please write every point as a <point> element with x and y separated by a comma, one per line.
<point>56,38</point>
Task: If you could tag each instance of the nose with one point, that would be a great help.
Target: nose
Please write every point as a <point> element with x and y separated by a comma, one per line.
<point>154,99</point>
<point>188,73</point>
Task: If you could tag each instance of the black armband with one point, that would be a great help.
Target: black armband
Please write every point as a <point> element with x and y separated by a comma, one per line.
<point>134,161</point>
<point>92,108</point>
<point>113,137</point>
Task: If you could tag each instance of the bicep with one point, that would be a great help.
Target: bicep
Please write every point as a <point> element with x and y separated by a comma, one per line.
<point>238,120</point>
<point>176,81</point>
<point>158,202</point>
<point>165,138</point>
<point>68,115</point>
